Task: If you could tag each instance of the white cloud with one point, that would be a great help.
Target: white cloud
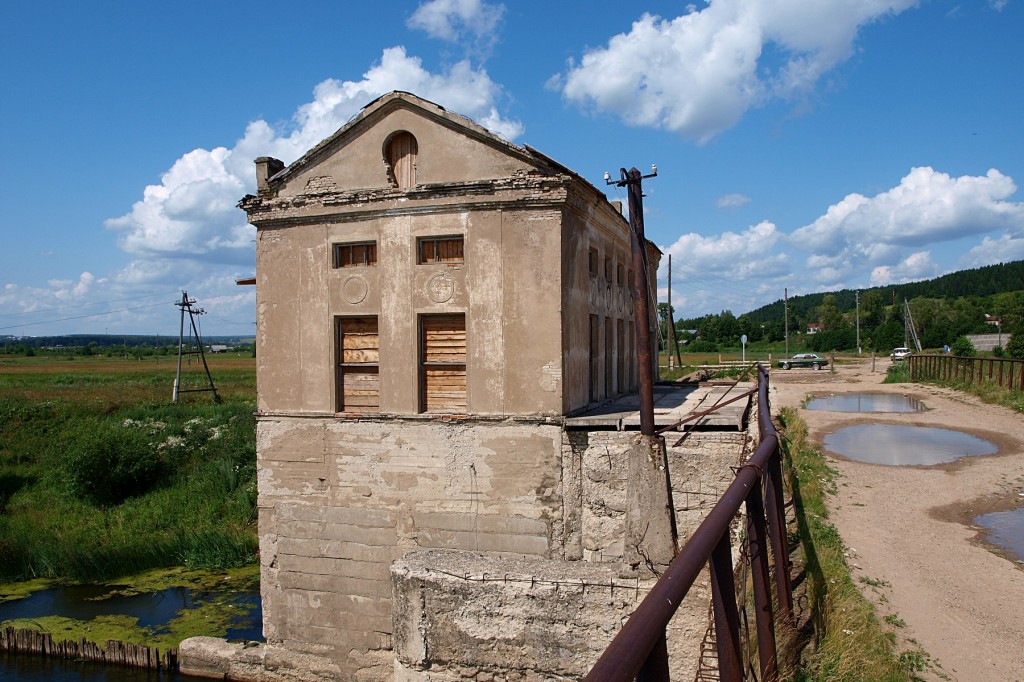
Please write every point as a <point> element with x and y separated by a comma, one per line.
<point>916,266</point>
<point>1004,249</point>
<point>451,20</point>
<point>732,201</point>
<point>927,207</point>
<point>731,255</point>
<point>699,73</point>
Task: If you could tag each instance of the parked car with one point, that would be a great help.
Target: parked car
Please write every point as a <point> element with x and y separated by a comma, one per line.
<point>803,360</point>
<point>900,354</point>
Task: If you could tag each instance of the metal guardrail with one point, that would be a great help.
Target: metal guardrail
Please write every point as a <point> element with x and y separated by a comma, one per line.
<point>640,649</point>
<point>1004,372</point>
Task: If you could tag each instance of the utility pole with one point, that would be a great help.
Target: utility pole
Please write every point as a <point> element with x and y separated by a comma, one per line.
<point>632,180</point>
<point>856,295</point>
<point>673,343</point>
<point>785,298</point>
<point>186,305</point>
<point>651,535</point>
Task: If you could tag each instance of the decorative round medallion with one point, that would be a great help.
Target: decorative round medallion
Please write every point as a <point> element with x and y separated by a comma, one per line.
<point>354,289</point>
<point>441,287</point>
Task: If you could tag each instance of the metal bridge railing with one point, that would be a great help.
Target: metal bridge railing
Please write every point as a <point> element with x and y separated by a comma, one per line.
<point>640,650</point>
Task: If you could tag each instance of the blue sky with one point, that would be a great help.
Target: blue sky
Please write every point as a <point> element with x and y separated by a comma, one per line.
<point>800,144</point>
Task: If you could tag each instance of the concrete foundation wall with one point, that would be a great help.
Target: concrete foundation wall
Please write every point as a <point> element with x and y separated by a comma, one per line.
<point>340,501</point>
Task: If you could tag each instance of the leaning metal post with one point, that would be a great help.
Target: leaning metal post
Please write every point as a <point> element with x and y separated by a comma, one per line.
<point>632,180</point>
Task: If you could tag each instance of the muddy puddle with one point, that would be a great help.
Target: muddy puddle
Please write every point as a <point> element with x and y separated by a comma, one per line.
<point>865,402</point>
<point>1005,530</point>
<point>899,445</point>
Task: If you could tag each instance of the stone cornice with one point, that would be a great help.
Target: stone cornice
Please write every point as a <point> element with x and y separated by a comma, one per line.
<point>520,191</point>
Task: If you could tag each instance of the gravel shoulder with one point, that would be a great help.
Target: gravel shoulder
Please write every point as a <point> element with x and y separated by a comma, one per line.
<point>910,530</point>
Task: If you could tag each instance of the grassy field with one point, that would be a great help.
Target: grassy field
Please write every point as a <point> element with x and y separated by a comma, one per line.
<point>101,476</point>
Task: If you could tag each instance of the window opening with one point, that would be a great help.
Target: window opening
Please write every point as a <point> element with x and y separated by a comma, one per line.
<point>593,261</point>
<point>620,347</point>
<point>358,352</point>
<point>443,363</point>
<point>594,350</point>
<point>609,358</point>
<point>441,250</point>
<point>355,255</point>
<point>400,154</point>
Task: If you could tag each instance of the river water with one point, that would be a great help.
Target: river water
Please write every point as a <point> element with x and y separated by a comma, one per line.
<point>25,668</point>
<point>154,611</point>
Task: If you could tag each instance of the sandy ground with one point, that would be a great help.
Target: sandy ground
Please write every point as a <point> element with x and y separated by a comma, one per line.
<point>909,529</point>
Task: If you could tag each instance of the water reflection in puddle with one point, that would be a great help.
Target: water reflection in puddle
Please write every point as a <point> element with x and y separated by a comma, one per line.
<point>905,445</point>
<point>1006,530</point>
<point>866,402</point>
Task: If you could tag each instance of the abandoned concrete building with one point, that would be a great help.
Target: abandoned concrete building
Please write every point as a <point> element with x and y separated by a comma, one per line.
<point>445,363</point>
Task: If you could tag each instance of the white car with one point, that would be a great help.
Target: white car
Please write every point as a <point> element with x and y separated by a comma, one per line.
<point>900,353</point>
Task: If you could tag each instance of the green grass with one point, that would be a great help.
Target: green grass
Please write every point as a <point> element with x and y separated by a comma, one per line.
<point>849,642</point>
<point>100,476</point>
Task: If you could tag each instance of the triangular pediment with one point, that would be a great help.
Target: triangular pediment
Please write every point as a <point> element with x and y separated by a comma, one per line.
<point>446,149</point>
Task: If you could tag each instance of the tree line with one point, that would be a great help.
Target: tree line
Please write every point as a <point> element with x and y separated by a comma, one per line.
<point>943,310</point>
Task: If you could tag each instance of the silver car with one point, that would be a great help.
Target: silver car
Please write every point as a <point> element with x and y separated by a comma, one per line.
<point>900,354</point>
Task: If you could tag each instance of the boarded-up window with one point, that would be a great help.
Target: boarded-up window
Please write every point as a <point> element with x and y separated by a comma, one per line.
<point>442,250</point>
<point>443,363</point>
<point>353,255</point>
<point>358,350</point>
<point>400,154</point>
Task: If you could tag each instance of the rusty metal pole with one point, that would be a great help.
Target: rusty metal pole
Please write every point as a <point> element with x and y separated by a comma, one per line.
<point>632,180</point>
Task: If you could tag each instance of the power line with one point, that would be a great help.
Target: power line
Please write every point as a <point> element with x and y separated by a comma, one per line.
<point>85,305</point>
<point>240,324</point>
<point>79,317</point>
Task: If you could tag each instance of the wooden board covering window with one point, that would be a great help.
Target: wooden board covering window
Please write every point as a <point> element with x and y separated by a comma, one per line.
<point>358,367</point>
<point>350,255</point>
<point>401,157</point>
<point>443,363</point>
<point>442,250</point>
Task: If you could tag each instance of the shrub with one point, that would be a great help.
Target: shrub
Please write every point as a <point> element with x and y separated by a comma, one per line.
<point>107,464</point>
<point>701,347</point>
<point>963,347</point>
<point>1015,346</point>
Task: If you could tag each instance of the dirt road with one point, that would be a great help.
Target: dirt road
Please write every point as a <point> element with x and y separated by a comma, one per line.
<point>912,546</point>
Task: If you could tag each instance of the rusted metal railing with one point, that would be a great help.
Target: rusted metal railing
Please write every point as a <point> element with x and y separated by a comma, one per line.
<point>1004,372</point>
<point>640,650</point>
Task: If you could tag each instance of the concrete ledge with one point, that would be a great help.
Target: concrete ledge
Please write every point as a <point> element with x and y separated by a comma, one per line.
<point>457,611</point>
<point>214,658</point>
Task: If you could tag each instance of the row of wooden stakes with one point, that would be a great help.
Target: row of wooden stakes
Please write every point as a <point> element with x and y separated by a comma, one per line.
<point>115,653</point>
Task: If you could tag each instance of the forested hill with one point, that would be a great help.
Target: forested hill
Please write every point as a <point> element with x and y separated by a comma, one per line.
<point>983,281</point>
